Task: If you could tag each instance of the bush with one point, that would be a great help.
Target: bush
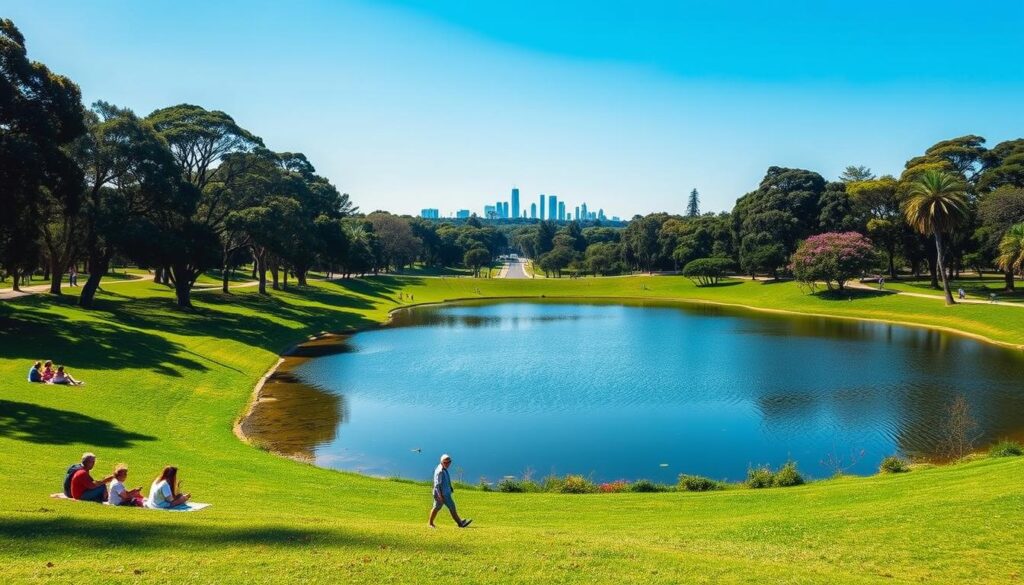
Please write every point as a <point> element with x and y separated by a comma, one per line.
<point>787,476</point>
<point>832,257</point>
<point>1006,448</point>
<point>646,486</point>
<point>894,464</point>
<point>613,487</point>
<point>512,485</point>
<point>696,483</point>
<point>760,477</point>
<point>706,271</point>
<point>577,484</point>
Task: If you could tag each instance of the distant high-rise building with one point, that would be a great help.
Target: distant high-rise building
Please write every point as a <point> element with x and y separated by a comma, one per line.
<point>490,212</point>
<point>583,211</point>
<point>615,218</point>
<point>577,214</point>
<point>504,211</point>
<point>515,203</point>
<point>533,211</point>
<point>542,207</point>
<point>462,214</point>
<point>499,209</point>
<point>430,214</point>
<point>561,211</point>
<point>600,215</point>
<point>552,207</point>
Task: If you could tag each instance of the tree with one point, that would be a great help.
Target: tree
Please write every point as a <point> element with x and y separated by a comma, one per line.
<point>707,271</point>
<point>640,241</point>
<point>833,258</point>
<point>131,178</point>
<point>40,114</point>
<point>200,139</point>
<point>476,258</point>
<point>556,260</point>
<point>854,173</point>
<point>693,204</point>
<point>879,200</point>
<point>935,206</point>
<point>1011,250</point>
<point>1003,166</point>
<point>399,246</point>
<point>604,258</point>
<point>998,211</point>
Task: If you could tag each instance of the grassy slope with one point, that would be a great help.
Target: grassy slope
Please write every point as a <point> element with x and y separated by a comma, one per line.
<point>165,387</point>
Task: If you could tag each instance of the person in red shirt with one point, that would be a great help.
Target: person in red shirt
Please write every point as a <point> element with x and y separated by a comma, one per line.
<point>84,487</point>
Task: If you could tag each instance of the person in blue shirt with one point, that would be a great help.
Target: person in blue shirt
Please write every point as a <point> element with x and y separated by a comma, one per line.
<point>443,493</point>
<point>36,373</point>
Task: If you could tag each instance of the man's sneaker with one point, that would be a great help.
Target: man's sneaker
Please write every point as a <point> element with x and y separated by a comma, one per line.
<point>466,522</point>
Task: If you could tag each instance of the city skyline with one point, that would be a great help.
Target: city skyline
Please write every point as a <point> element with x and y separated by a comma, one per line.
<point>556,209</point>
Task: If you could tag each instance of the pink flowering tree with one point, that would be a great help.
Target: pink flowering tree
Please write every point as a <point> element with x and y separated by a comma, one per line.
<point>833,258</point>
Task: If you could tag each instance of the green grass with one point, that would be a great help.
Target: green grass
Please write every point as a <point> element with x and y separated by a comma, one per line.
<point>165,386</point>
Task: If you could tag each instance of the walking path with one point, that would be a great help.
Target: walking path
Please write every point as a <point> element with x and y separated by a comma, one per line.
<point>32,289</point>
<point>513,270</point>
<point>967,301</point>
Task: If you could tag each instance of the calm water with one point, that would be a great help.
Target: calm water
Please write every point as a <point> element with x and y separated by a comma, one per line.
<point>644,391</point>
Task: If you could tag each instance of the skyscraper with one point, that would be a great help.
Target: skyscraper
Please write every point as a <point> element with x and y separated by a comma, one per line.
<point>552,207</point>
<point>490,212</point>
<point>542,207</point>
<point>430,214</point>
<point>577,214</point>
<point>533,211</point>
<point>583,211</point>
<point>504,211</point>
<point>462,214</point>
<point>515,203</point>
<point>561,211</point>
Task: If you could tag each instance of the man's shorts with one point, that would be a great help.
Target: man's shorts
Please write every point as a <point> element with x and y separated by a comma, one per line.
<point>448,501</point>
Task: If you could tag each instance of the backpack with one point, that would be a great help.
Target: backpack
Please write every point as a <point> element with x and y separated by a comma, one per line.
<point>67,477</point>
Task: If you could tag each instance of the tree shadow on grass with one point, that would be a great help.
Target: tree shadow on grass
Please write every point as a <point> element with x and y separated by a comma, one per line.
<point>101,534</point>
<point>852,294</point>
<point>32,333</point>
<point>39,424</point>
<point>380,286</point>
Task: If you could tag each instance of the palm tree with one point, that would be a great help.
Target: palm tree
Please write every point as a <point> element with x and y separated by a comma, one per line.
<point>935,206</point>
<point>1011,250</point>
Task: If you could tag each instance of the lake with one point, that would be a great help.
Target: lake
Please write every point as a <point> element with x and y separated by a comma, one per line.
<point>615,390</point>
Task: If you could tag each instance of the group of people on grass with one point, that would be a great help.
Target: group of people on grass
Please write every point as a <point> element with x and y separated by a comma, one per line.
<point>79,484</point>
<point>44,373</point>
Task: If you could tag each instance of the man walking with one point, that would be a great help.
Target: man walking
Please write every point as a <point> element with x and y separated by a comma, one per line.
<point>443,493</point>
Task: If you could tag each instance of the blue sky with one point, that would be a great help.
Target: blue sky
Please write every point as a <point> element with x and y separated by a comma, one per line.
<point>626,105</point>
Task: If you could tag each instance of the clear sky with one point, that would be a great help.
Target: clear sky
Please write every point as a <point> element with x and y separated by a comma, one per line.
<point>626,105</point>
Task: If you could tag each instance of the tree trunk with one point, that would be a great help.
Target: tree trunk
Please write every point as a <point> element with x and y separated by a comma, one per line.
<point>182,277</point>
<point>1008,278</point>
<point>941,269</point>
<point>300,275</point>
<point>260,272</point>
<point>892,263</point>
<point>284,283</point>
<point>56,275</point>
<point>97,268</point>
<point>275,283</point>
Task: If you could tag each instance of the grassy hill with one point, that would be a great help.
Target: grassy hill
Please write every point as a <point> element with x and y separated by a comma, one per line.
<point>166,386</point>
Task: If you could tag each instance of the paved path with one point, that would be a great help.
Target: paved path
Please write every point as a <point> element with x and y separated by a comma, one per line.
<point>513,270</point>
<point>967,301</point>
<point>34,289</point>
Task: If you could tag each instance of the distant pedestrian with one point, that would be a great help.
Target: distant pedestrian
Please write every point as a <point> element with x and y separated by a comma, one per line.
<point>992,298</point>
<point>961,294</point>
<point>443,493</point>
<point>73,275</point>
<point>881,283</point>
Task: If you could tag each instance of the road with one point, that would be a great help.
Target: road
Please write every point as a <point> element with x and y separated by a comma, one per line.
<point>514,270</point>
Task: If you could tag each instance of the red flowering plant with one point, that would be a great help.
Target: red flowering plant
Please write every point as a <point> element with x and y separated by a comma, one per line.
<point>833,258</point>
<point>613,487</point>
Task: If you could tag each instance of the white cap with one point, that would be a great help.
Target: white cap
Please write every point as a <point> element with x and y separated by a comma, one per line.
<point>445,456</point>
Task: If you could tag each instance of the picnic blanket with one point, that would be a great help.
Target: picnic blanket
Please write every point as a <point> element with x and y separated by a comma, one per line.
<point>186,507</point>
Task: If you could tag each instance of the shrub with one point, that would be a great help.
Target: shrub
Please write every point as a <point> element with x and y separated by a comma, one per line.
<point>613,487</point>
<point>787,476</point>
<point>760,477</point>
<point>646,485</point>
<point>706,271</point>
<point>893,464</point>
<point>1006,448</point>
<point>517,486</point>
<point>696,483</point>
<point>577,484</point>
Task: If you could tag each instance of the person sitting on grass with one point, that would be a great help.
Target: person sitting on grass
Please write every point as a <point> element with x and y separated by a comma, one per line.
<point>35,374</point>
<point>163,494</point>
<point>120,495</point>
<point>443,493</point>
<point>62,377</point>
<point>48,372</point>
<point>84,487</point>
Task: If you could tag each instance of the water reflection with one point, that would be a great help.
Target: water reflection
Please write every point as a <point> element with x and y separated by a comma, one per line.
<point>616,390</point>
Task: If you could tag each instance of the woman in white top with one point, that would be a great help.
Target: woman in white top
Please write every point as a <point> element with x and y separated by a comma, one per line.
<point>164,491</point>
<point>119,494</point>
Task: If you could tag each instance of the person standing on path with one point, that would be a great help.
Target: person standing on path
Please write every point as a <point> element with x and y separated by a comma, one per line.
<point>443,493</point>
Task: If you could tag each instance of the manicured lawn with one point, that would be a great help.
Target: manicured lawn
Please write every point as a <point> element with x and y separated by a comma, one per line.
<point>165,386</point>
<point>976,288</point>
